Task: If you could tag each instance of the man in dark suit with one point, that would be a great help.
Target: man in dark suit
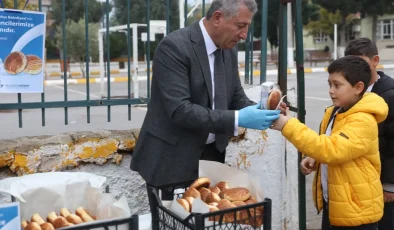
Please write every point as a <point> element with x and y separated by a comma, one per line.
<point>197,99</point>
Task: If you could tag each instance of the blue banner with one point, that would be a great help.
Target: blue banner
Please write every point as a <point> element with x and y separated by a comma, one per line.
<point>22,45</point>
<point>10,216</point>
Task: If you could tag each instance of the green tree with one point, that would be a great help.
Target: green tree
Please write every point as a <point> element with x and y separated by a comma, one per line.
<point>138,14</point>
<point>345,8</point>
<point>138,11</point>
<point>309,12</point>
<point>20,4</point>
<point>325,23</point>
<point>76,41</point>
<point>75,10</point>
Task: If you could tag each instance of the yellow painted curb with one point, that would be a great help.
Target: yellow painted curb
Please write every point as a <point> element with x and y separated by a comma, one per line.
<point>115,71</point>
<point>54,74</point>
<point>121,79</point>
<point>307,70</point>
<point>83,81</point>
<point>380,67</point>
<point>74,74</point>
<point>95,73</point>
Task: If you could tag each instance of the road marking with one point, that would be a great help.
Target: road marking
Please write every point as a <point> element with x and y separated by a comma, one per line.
<point>77,92</point>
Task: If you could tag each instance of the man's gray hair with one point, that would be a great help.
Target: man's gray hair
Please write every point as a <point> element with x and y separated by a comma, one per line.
<point>230,8</point>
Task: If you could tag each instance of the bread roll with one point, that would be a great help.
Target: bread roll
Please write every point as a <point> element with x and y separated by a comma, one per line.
<point>61,222</point>
<point>221,194</point>
<point>74,219</point>
<point>222,185</point>
<point>37,218</point>
<point>204,192</point>
<point>243,216</point>
<point>215,190</point>
<point>24,224</point>
<point>214,204</point>
<point>257,217</point>
<point>251,200</point>
<point>33,226</point>
<point>81,212</point>
<point>51,217</point>
<point>192,192</point>
<point>226,204</point>
<point>34,64</point>
<point>274,99</point>
<point>237,194</point>
<point>201,182</point>
<point>184,204</point>
<point>15,63</point>
<point>190,201</point>
<point>213,209</point>
<point>64,212</point>
<point>212,197</point>
<point>47,226</point>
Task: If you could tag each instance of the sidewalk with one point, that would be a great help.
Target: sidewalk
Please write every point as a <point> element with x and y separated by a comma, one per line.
<point>95,75</point>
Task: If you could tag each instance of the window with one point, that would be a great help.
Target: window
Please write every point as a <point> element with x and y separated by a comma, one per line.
<point>320,38</point>
<point>384,30</point>
<point>46,8</point>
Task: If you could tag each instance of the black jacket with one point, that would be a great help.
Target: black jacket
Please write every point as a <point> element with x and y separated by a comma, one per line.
<point>384,87</point>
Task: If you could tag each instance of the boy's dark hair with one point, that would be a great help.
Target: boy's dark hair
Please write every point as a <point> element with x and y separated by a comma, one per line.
<point>361,47</point>
<point>354,69</point>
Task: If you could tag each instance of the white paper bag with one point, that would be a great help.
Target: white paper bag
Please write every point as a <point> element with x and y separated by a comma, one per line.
<point>43,193</point>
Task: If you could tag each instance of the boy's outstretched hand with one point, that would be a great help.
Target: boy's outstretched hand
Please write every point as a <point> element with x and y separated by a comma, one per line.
<point>282,107</point>
<point>283,118</point>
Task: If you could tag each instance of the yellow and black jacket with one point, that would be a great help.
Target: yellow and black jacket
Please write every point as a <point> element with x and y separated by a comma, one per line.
<point>352,155</point>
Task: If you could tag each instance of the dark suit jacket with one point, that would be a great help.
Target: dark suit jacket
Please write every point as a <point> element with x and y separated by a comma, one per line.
<point>179,117</point>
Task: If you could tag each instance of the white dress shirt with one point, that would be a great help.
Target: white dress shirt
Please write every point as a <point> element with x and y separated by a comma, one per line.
<point>211,48</point>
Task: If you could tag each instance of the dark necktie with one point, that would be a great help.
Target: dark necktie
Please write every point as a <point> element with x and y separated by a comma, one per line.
<point>220,96</point>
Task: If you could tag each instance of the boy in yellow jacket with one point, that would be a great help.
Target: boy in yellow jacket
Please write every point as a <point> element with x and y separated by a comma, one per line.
<point>347,150</point>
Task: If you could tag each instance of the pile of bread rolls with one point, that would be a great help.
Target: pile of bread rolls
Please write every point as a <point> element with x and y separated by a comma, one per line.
<point>53,221</point>
<point>219,197</point>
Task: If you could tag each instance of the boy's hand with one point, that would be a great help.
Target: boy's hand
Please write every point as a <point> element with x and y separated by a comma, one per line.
<point>307,164</point>
<point>283,118</point>
<point>282,107</point>
<point>388,197</point>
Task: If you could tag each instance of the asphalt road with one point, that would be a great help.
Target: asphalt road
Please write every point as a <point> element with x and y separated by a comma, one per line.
<point>316,97</point>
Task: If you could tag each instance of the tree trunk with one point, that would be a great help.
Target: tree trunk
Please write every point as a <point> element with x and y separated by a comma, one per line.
<point>82,66</point>
<point>342,38</point>
<point>374,26</point>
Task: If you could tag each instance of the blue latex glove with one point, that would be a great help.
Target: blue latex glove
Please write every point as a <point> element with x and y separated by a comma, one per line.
<point>253,117</point>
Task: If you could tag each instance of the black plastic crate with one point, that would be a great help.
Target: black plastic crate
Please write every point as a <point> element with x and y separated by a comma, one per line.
<point>129,223</point>
<point>163,218</point>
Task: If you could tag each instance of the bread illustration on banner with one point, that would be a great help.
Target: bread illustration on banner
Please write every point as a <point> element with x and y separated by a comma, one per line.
<point>34,65</point>
<point>15,63</point>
